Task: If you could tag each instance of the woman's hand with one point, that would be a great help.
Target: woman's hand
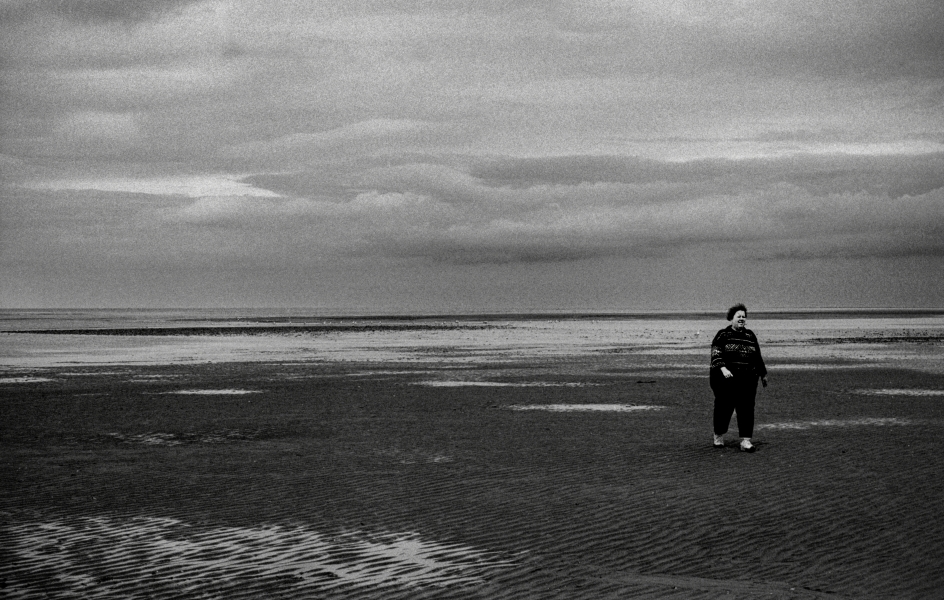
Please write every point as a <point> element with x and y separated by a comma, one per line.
<point>727,374</point>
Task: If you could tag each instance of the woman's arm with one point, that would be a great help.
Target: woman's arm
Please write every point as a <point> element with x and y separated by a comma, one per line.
<point>760,366</point>
<point>717,354</point>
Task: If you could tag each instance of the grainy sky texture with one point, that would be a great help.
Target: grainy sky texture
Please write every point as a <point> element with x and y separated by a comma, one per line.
<point>439,156</point>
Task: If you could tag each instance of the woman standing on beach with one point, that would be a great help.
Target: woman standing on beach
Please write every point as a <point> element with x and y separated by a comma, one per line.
<point>736,363</point>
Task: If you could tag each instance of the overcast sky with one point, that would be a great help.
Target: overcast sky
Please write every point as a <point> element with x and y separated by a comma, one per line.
<point>441,156</point>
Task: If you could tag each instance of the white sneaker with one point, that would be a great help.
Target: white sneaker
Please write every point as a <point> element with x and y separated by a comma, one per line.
<point>719,441</point>
<point>746,445</point>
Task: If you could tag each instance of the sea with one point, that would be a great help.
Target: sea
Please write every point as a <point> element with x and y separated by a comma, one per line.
<point>34,339</point>
<point>186,318</point>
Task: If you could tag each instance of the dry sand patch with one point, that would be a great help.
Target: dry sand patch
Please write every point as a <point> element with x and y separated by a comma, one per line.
<point>223,392</point>
<point>900,392</point>
<point>853,422</point>
<point>434,383</point>
<point>585,407</point>
<point>25,379</point>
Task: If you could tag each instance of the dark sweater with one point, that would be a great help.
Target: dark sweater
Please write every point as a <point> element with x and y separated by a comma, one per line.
<point>738,351</point>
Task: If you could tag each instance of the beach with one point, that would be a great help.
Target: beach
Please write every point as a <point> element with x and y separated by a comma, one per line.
<point>467,457</point>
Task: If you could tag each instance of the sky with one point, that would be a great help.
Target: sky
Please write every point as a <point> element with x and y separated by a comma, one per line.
<point>420,156</point>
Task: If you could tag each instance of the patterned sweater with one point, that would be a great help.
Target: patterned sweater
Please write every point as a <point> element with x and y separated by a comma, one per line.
<point>738,351</point>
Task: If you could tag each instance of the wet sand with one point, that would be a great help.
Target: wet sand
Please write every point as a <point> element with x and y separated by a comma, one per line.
<point>523,473</point>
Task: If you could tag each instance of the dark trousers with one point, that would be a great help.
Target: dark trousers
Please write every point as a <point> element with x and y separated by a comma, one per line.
<point>734,395</point>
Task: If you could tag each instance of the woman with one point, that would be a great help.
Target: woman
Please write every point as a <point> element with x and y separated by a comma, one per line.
<point>736,363</point>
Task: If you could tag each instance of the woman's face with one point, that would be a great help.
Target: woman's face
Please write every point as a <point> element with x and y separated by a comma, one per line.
<point>739,320</point>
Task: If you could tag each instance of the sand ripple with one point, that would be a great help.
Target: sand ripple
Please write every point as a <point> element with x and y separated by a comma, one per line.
<point>180,439</point>
<point>109,557</point>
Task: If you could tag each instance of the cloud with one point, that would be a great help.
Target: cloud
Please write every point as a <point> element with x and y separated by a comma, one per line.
<point>894,175</point>
<point>777,222</point>
<point>83,132</point>
<point>193,186</point>
<point>774,208</point>
<point>365,139</point>
<point>863,38</point>
<point>508,212</point>
<point>124,89</point>
<point>486,133</point>
<point>91,11</point>
<point>262,83</point>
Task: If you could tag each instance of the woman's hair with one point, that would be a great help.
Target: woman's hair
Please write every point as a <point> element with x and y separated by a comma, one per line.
<point>736,308</point>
